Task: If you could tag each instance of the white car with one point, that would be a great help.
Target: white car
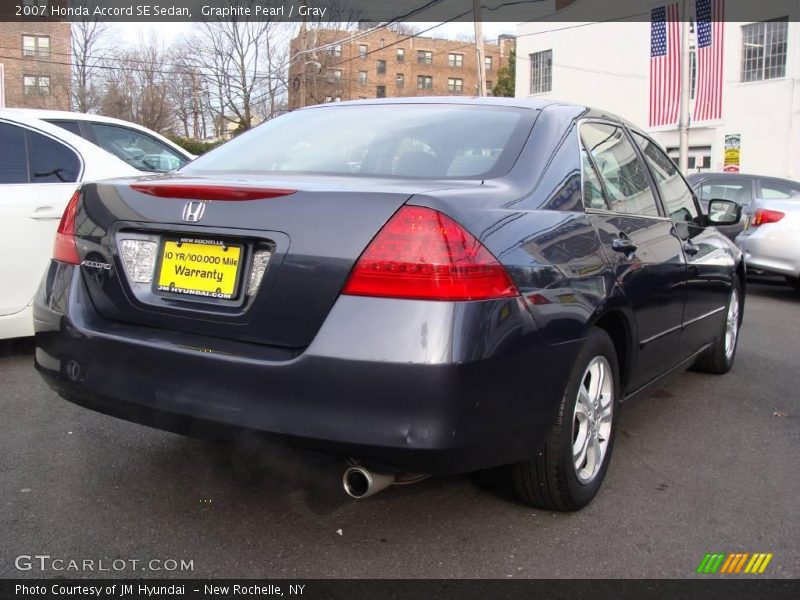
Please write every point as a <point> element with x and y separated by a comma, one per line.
<point>41,165</point>
<point>771,238</point>
<point>138,146</point>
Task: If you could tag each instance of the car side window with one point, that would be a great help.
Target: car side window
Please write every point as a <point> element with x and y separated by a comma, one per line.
<point>717,189</point>
<point>138,149</point>
<point>622,172</point>
<point>675,192</point>
<point>778,190</point>
<point>52,161</point>
<point>13,160</point>
<point>592,189</point>
<point>71,126</point>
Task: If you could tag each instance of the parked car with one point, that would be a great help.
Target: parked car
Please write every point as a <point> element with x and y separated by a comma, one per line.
<point>41,165</point>
<point>469,297</point>
<point>143,149</point>
<point>771,238</point>
<point>742,189</point>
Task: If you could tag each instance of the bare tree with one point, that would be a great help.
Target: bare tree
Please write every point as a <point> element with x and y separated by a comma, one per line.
<point>137,88</point>
<point>87,42</point>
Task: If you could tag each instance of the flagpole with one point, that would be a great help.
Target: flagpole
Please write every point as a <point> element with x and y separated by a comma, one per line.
<point>683,122</point>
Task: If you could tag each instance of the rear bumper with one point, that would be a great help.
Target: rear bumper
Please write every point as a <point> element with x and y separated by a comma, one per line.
<point>771,249</point>
<point>406,385</point>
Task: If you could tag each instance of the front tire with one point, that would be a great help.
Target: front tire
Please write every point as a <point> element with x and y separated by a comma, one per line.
<point>719,358</point>
<point>569,468</point>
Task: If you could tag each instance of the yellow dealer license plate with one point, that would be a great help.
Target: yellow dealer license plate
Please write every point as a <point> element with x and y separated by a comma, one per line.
<point>208,268</point>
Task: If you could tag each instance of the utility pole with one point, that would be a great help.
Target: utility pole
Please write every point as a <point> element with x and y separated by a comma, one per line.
<point>476,14</point>
<point>303,63</point>
<point>683,122</point>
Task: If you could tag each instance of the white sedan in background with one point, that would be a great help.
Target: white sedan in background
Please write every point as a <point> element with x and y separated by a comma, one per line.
<point>41,166</point>
<point>140,147</point>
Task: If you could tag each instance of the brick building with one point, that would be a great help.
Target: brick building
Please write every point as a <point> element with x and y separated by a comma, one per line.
<point>35,64</point>
<point>386,63</point>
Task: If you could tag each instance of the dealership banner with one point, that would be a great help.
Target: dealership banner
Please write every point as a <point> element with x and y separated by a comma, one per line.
<point>375,11</point>
<point>389,589</point>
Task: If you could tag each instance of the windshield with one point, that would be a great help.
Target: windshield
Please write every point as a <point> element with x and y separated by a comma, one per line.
<point>391,140</point>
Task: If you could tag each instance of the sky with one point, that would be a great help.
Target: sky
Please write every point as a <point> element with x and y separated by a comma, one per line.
<point>170,32</point>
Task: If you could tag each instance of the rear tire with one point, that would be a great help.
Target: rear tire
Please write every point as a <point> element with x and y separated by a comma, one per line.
<point>567,471</point>
<point>719,358</point>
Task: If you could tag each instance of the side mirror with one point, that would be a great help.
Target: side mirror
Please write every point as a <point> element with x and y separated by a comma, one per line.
<point>724,212</point>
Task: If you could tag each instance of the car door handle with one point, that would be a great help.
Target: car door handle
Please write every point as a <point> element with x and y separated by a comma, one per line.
<point>46,213</point>
<point>625,245</point>
<point>690,248</point>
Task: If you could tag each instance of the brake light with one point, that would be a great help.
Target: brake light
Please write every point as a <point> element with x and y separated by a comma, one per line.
<point>65,248</point>
<point>209,192</point>
<point>421,253</point>
<point>763,216</point>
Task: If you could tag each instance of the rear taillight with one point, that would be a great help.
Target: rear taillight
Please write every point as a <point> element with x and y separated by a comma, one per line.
<point>762,216</point>
<point>65,248</point>
<point>209,192</point>
<point>422,254</point>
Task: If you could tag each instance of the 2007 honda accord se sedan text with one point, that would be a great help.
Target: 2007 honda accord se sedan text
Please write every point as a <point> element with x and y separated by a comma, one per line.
<point>427,285</point>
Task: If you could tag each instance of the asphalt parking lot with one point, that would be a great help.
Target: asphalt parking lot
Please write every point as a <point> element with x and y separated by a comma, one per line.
<point>705,464</point>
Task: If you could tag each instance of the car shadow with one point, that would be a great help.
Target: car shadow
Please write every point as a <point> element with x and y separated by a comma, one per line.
<point>16,347</point>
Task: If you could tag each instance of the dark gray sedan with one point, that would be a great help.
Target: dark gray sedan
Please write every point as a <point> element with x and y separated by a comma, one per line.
<point>426,285</point>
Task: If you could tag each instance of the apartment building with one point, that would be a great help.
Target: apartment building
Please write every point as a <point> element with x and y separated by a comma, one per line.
<point>35,59</point>
<point>606,65</point>
<point>386,64</point>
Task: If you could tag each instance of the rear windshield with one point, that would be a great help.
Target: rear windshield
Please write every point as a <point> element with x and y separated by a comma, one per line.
<point>393,140</point>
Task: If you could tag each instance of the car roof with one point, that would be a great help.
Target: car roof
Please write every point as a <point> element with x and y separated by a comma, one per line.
<point>738,176</point>
<point>38,113</point>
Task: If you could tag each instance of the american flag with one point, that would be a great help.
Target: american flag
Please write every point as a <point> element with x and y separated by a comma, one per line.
<point>710,26</point>
<point>665,65</point>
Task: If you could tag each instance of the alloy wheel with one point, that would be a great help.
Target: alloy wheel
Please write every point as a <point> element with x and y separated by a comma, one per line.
<point>592,419</point>
<point>732,324</point>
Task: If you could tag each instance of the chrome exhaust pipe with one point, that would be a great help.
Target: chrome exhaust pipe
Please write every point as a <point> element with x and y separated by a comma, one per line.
<point>360,482</point>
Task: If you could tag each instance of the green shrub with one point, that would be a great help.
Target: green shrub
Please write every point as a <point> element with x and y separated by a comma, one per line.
<point>197,147</point>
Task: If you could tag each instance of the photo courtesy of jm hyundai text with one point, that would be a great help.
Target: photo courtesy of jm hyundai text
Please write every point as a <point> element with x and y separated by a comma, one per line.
<point>418,286</point>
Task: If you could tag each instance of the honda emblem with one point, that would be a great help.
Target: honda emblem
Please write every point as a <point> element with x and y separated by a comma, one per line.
<point>193,211</point>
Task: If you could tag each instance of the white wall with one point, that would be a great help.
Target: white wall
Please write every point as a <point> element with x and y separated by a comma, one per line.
<point>606,65</point>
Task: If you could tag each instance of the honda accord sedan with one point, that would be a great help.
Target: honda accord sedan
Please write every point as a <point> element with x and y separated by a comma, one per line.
<point>419,286</point>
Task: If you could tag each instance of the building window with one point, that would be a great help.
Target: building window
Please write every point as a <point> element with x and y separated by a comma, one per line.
<point>37,85</point>
<point>455,60</point>
<point>455,85</point>
<point>36,45</point>
<point>425,57</point>
<point>541,72</point>
<point>380,91</point>
<point>335,76</point>
<point>380,43</point>
<point>400,80</point>
<point>362,78</point>
<point>335,50</point>
<point>424,82</point>
<point>337,99</point>
<point>401,55</point>
<point>764,50</point>
<point>381,67</point>
<point>488,61</point>
<point>489,87</point>
<point>362,50</point>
